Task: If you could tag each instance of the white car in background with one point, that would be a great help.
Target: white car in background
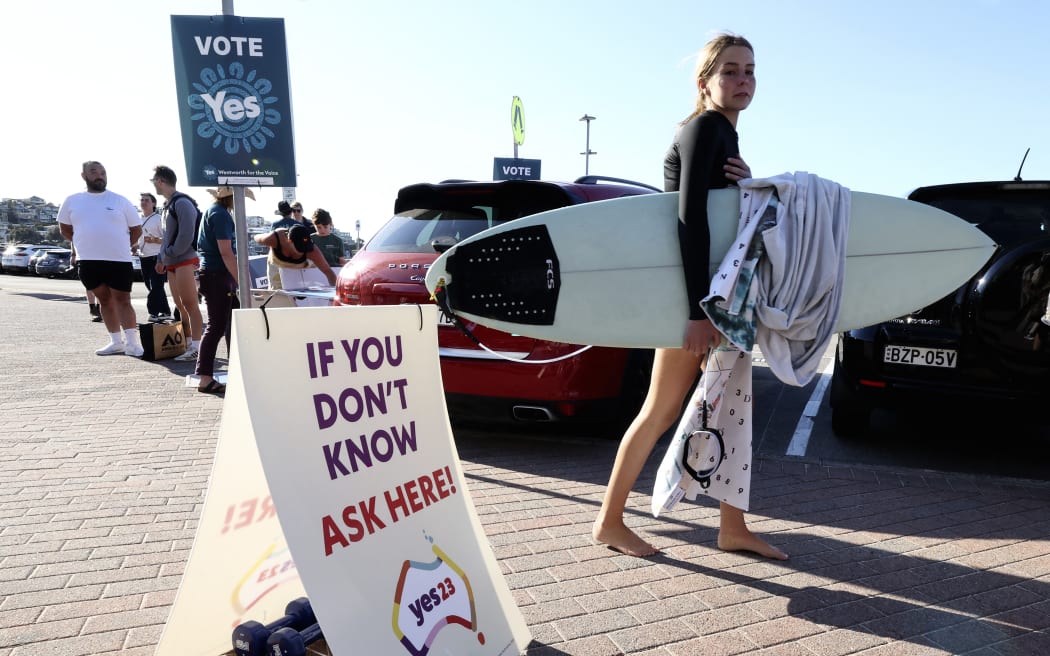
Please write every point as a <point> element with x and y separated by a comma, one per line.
<point>16,256</point>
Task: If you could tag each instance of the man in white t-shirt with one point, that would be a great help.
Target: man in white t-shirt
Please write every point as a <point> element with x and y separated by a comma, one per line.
<point>103,227</point>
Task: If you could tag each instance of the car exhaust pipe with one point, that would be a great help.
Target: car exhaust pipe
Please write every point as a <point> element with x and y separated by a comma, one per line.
<point>532,413</point>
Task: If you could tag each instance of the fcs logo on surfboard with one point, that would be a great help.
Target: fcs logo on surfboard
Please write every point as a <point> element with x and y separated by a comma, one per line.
<point>435,595</point>
<point>550,273</point>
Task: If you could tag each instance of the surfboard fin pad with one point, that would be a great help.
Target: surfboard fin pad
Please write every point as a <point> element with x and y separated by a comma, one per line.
<point>512,276</point>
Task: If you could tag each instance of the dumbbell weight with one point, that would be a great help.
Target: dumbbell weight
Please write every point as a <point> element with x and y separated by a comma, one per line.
<point>289,642</point>
<point>249,638</point>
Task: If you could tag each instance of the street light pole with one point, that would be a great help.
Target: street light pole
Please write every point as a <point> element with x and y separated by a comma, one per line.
<point>240,224</point>
<point>587,153</point>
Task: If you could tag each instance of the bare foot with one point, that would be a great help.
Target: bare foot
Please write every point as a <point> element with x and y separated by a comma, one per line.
<point>622,539</point>
<point>748,541</point>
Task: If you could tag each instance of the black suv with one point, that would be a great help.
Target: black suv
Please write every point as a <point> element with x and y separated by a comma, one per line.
<point>987,341</point>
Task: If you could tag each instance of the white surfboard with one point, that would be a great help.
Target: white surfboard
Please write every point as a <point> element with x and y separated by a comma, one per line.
<point>609,273</point>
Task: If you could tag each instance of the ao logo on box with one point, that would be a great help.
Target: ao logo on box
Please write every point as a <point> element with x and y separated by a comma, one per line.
<point>173,340</point>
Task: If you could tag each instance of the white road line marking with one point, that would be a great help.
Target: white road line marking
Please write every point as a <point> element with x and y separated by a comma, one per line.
<point>800,440</point>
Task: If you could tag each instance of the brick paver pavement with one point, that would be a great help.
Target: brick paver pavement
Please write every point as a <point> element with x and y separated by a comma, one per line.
<point>104,463</point>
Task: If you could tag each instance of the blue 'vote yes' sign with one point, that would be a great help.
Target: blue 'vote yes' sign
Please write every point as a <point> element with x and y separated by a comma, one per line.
<point>231,79</point>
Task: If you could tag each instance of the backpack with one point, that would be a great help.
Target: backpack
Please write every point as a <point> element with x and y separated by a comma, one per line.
<point>197,224</point>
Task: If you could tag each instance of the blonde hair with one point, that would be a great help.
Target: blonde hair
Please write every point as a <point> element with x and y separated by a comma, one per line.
<point>705,65</point>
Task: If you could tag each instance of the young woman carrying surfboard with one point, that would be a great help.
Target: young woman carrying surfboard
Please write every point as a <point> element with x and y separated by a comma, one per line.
<point>704,155</point>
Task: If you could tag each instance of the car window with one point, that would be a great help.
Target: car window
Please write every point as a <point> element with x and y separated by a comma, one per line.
<point>413,231</point>
<point>1006,217</point>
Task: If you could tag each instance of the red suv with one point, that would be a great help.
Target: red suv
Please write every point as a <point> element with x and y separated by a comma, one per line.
<point>600,385</point>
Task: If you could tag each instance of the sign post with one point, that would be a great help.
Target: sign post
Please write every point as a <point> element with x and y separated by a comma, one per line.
<point>231,80</point>
<point>504,168</point>
<point>517,123</point>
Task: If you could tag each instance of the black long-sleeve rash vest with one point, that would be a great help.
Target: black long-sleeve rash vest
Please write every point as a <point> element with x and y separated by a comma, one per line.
<point>692,166</point>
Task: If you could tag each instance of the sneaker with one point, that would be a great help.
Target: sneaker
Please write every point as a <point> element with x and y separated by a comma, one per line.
<point>134,350</point>
<point>96,319</point>
<point>189,356</point>
<point>110,349</point>
<point>160,318</point>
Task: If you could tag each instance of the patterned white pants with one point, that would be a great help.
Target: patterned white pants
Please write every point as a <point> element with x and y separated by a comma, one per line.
<point>726,387</point>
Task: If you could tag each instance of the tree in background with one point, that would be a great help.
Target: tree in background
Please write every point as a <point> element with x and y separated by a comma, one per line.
<point>54,236</point>
<point>23,234</point>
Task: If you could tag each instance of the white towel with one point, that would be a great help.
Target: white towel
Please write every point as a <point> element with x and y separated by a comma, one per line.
<point>798,281</point>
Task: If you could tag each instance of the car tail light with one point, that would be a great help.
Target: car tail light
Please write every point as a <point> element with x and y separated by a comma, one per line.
<point>348,289</point>
<point>872,383</point>
<point>566,409</point>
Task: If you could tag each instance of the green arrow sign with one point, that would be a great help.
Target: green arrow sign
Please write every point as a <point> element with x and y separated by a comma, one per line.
<point>517,121</point>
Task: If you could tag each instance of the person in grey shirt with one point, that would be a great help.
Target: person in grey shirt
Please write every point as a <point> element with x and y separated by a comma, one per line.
<point>178,257</point>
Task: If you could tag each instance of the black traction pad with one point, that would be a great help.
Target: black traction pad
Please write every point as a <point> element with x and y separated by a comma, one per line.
<point>512,276</point>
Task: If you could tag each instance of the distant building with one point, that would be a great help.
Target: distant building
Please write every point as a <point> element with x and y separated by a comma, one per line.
<point>33,212</point>
<point>27,210</point>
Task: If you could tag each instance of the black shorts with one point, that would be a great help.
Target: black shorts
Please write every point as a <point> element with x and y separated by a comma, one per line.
<point>115,275</point>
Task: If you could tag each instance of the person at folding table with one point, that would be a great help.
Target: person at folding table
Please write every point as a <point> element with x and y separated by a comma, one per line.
<point>292,248</point>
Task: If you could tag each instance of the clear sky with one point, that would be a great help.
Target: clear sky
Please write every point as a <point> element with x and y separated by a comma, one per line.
<point>879,96</point>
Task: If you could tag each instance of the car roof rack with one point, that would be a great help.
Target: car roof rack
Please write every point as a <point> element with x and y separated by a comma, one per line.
<point>595,179</point>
